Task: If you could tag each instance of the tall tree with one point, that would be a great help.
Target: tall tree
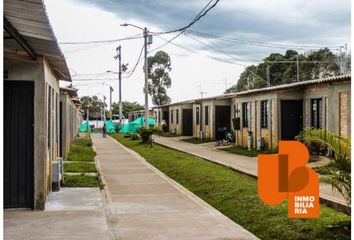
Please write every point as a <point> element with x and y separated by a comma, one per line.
<point>283,69</point>
<point>93,104</point>
<point>159,67</point>
<point>127,107</point>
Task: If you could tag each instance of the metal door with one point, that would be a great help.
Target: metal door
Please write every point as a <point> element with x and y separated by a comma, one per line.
<point>18,144</point>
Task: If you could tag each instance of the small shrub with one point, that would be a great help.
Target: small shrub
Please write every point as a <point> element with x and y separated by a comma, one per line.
<point>135,136</point>
<point>145,133</point>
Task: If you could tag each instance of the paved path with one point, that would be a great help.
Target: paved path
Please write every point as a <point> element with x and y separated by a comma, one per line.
<point>240,163</point>
<point>143,203</point>
<point>71,213</point>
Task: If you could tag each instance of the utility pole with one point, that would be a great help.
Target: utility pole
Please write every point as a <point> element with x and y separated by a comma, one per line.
<point>119,56</point>
<point>110,102</point>
<point>297,68</point>
<point>147,41</point>
<point>146,79</point>
<point>104,109</point>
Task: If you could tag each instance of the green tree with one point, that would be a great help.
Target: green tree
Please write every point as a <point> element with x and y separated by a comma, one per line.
<point>338,172</point>
<point>93,104</point>
<point>126,107</point>
<point>159,67</point>
<point>283,69</point>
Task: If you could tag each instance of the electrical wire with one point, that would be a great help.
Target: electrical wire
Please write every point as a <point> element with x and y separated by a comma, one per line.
<point>201,14</point>
<point>136,64</point>
<point>259,43</point>
<point>94,79</point>
<point>135,36</point>
<point>230,56</point>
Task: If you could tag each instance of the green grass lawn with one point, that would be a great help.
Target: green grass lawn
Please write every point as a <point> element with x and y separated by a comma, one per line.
<point>81,153</point>
<point>244,151</point>
<point>235,195</point>
<point>83,142</point>
<point>195,140</point>
<point>79,167</point>
<point>81,181</point>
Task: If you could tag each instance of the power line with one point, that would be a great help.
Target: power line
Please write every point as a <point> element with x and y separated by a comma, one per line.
<point>232,57</point>
<point>201,14</point>
<point>136,36</point>
<point>136,64</point>
<point>94,79</point>
<point>259,43</point>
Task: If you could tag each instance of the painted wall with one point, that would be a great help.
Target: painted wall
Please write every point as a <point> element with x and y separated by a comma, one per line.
<point>269,134</point>
<point>335,109</point>
<point>27,70</point>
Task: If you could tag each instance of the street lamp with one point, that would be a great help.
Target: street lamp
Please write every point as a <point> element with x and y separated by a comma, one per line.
<point>110,99</point>
<point>146,35</point>
<point>103,107</point>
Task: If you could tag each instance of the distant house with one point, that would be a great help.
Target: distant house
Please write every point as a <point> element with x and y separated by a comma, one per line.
<point>33,66</point>
<point>261,117</point>
<point>70,119</point>
<point>281,112</point>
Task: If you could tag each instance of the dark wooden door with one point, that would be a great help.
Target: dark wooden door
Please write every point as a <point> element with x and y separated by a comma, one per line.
<point>187,129</point>
<point>166,117</point>
<point>61,129</point>
<point>222,121</point>
<point>291,119</point>
<point>18,144</point>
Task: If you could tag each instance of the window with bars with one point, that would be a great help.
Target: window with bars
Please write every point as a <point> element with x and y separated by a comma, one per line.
<point>177,116</point>
<point>197,115</point>
<point>206,115</point>
<point>171,116</point>
<point>264,113</point>
<point>49,125</point>
<point>316,113</point>
<point>245,114</point>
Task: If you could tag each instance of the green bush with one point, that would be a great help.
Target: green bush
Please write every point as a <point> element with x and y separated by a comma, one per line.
<point>83,142</point>
<point>145,133</point>
<point>135,136</point>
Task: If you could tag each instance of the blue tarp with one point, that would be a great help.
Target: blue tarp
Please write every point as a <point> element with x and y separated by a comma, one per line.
<point>110,127</point>
<point>134,126</point>
<point>85,126</point>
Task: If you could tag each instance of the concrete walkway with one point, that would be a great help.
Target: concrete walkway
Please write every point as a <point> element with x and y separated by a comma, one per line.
<point>143,203</point>
<point>240,163</point>
<point>71,213</point>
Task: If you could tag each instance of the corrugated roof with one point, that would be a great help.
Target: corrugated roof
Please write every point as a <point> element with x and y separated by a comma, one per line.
<point>296,84</point>
<point>71,91</point>
<point>30,19</point>
<point>273,88</point>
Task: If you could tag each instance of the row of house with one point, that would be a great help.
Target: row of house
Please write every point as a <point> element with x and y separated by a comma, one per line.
<point>260,118</point>
<point>40,118</point>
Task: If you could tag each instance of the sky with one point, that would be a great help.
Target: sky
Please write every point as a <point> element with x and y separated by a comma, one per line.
<point>198,64</point>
